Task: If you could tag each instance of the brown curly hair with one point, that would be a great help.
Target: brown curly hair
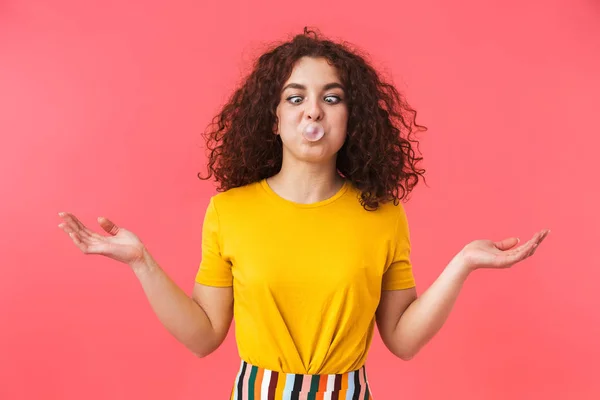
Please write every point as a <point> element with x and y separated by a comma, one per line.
<point>378,156</point>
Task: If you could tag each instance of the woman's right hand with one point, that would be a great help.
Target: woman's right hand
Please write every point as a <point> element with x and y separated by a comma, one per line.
<point>121,244</point>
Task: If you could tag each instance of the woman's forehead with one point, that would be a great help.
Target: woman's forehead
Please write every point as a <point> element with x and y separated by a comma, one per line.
<point>309,71</point>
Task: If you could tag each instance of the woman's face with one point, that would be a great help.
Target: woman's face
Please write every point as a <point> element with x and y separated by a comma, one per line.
<point>313,93</point>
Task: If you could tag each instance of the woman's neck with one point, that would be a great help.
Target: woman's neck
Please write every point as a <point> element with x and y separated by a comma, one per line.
<point>306,183</point>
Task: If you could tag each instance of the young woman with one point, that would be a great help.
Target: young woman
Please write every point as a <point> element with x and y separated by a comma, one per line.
<point>307,244</point>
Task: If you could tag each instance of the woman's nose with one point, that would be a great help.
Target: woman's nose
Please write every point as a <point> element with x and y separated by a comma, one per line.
<point>314,110</point>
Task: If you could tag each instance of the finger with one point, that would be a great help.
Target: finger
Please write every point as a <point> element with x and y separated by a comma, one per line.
<point>525,247</point>
<point>68,221</point>
<point>78,242</point>
<point>522,252</point>
<point>87,244</point>
<point>109,226</point>
<point>76,225</point>
<point>544,236</point>
<point>533,250</point>
<point>84,242</point>
<point>507,260</point>
<point>507,243</point>
<point>84,233</point>
<point>533,241</point>
<point>74,234</point>
<point>72,220</point>
<point>76,239</point>
<point>537,244</point>
<point>65,227</point>
<point>539,239</point>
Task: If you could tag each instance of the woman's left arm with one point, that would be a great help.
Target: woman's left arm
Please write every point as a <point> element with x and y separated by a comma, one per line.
<point>407,322</point>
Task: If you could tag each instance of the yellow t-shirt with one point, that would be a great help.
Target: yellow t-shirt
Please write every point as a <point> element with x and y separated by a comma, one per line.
<point>307,278</point>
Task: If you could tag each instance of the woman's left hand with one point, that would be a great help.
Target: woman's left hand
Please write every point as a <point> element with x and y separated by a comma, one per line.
<point>502,254</point>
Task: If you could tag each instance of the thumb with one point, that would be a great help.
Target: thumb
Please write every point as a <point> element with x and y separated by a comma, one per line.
<point>507,243</point>
<point>108,226</point>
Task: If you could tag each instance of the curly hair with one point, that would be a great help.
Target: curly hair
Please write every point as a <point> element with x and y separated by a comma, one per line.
<point>378,156</point>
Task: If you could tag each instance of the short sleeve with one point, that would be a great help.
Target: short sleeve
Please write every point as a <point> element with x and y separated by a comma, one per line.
<point>399,274</point>
<point>214,269</point>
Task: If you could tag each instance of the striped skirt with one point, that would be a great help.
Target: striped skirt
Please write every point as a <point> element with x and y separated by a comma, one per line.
<point>254,383</point>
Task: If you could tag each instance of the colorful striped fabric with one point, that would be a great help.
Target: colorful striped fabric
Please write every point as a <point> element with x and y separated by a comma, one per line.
<point>253,383</point>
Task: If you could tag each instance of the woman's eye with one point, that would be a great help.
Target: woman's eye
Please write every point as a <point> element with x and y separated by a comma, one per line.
<point>328,99</point>
<point>332,99</point>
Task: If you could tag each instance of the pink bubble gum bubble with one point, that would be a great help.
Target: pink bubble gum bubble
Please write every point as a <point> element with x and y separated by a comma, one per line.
<point>313,132</point>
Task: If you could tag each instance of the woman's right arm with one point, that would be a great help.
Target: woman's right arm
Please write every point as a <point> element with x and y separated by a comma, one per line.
<point>200,322</point>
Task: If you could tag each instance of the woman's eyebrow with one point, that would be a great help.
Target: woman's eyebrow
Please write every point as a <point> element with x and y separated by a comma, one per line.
<point>332,85</point>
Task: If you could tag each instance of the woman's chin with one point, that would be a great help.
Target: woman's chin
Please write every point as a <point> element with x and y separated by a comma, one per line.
<point>311,152</point>
<point>315,157</point>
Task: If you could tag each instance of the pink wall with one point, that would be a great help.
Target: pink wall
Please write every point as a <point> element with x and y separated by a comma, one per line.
<point>101,108</point>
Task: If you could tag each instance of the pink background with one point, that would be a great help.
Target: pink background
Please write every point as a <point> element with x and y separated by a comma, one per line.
<point>101,108</point>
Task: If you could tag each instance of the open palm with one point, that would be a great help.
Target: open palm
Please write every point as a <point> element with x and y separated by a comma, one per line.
<point>502,254</point>
<point>121,244</point>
